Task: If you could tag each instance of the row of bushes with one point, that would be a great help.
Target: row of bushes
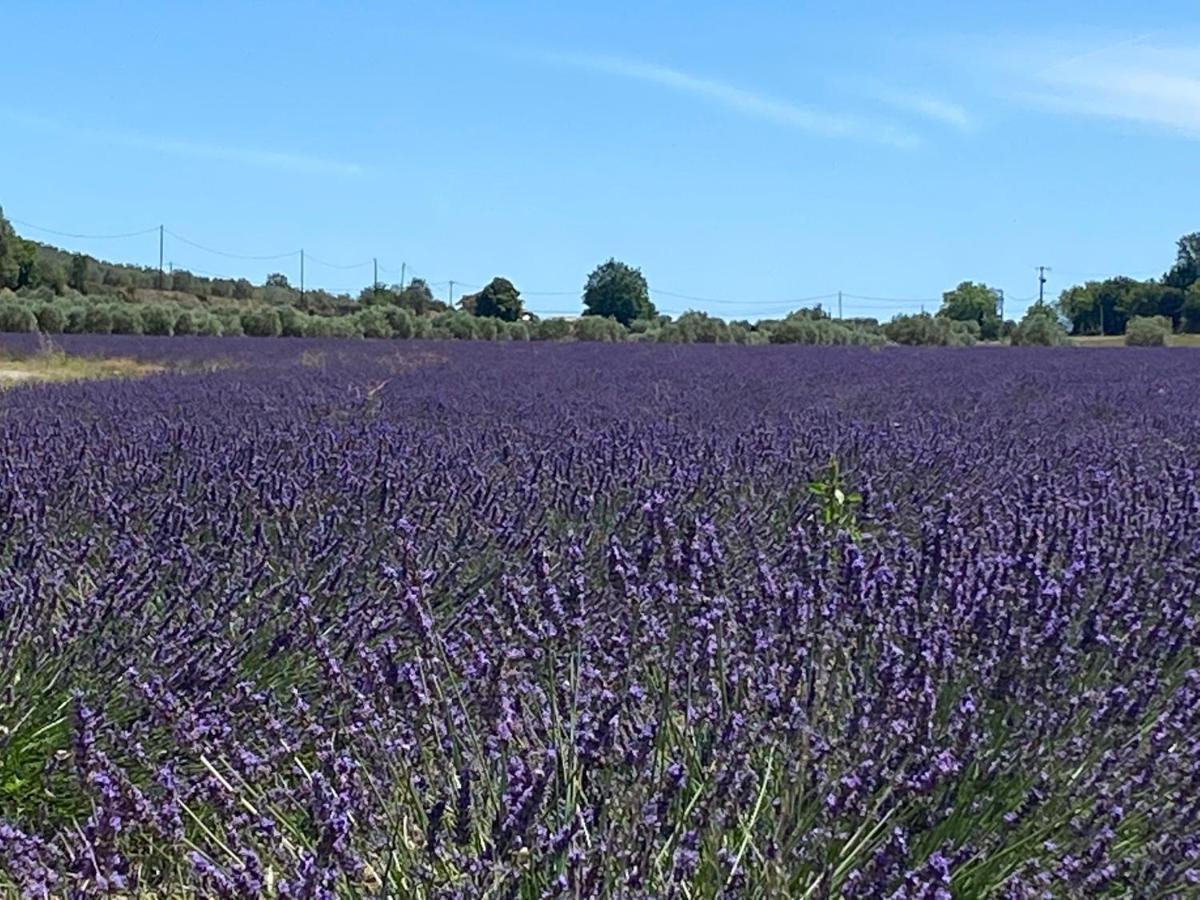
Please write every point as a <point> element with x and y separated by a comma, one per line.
<point>108,316</point>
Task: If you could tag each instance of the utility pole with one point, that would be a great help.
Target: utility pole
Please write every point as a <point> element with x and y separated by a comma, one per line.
<point>160,257</point>
<point>1000,303</point>
<point>1042,270</point>
<point>403,266</point>
<point>375,281</point>
<point>301,277</point>
<point>839,304</point>
<point>451,291</point>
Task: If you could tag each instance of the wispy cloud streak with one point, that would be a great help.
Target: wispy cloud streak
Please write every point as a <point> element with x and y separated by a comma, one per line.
<point>1154,84</point>
<point>927,106</point>
<point>810,119</point>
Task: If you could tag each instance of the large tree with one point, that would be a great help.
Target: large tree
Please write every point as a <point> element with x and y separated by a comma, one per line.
<point>1186,270</point>
<point>78,276</point>
<point>618,291</point>
<point>971,302</point>
<point>1104,307</point>
<point>499,299</point>
<point>8,253</point>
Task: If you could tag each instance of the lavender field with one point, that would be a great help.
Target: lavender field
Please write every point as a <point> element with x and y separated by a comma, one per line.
<point>368,619</point>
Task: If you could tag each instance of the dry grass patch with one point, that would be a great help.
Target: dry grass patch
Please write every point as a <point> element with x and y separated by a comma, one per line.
<point>55,365</point>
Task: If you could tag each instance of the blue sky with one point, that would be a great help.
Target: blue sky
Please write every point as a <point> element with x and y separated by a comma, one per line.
<point>752,154</point>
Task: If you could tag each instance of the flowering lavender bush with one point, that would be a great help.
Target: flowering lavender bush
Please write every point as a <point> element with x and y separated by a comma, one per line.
<point>470,620</point>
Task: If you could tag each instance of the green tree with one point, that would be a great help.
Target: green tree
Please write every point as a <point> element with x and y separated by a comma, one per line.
<point>277,280</point>
<point>292,322</point>
<point>16,316</point>
<point>499,299</point>
<point>1039,327</point>
<point>243,289</point>
<point>125,319</point>
<point>158,320</point>
<point>261,323</point>
<point>1190,313</point>
<point>618,291</point>
<point>51,319</point>
<point>598,328</point>
<point>98,320</point>
<point>185,322</point>
<point>8,255</point>
<point>418,298</point>
<point>972,302</point>
<point>182,280</point>
<point>78,275</point>
<point>373,322</point>
<point>25,254</point>
<point>1186,270</point>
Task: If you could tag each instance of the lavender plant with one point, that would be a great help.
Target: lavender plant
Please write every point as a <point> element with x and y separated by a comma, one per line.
<point>527,620</point>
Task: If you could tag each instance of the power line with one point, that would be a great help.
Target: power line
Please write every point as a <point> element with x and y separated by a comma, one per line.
<point>329,265</point>
<point>87,237</point>
<point>793,302</point>
<point>192,243</point>
<point>894,299</point>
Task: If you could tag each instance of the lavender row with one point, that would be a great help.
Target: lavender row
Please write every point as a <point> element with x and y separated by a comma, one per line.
<point>321,619</point>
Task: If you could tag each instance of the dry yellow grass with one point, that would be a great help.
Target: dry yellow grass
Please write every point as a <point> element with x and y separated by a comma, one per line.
<point>1118,340</point>
<point>59,366</point>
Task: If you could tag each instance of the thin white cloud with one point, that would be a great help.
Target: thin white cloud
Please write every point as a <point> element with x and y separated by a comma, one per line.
<point>1136,80</point>
<point>750,103</point>
<point>267,159</point>
<point>930,107</point>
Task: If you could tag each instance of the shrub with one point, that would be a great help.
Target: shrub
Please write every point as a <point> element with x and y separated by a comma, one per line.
<point>158,320</point>
<point>207,324</point>
<point>125,319</point>
<point>598,328</point>
<point>805,329</point>
<point>344,326</point>
<point>231,322</point>
<point>454,324</point>
<point>16,316</point>
<point>292,322</point>
<point>551,330</point>
<point>1039,328</point>
<point>185,322</point>
<point>400,320</point>
<point>98,320</point>
<point>261,322</point>
<point>373,322</point>
<point>694,328</point>
<point>516,331</point>
<point>75,320</point>
<point>485,329</point>
<point>935,331</point>
<point>51,319</point>
<point>1147,331</point>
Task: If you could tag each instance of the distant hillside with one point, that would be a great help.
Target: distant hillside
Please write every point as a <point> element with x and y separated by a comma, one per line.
<point>27,263</point>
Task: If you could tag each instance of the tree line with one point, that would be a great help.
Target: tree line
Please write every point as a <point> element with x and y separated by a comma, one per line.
<point>45,288</point>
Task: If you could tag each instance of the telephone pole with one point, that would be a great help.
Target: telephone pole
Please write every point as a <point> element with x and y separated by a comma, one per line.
<point>839,304</point>
<point>375,281</point>
<point>301,277</point>
<point>451,291</point>
<point>1042,270</point>
<point>160,257</point>
<point>1000,303</point>
<point>403,266</point>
